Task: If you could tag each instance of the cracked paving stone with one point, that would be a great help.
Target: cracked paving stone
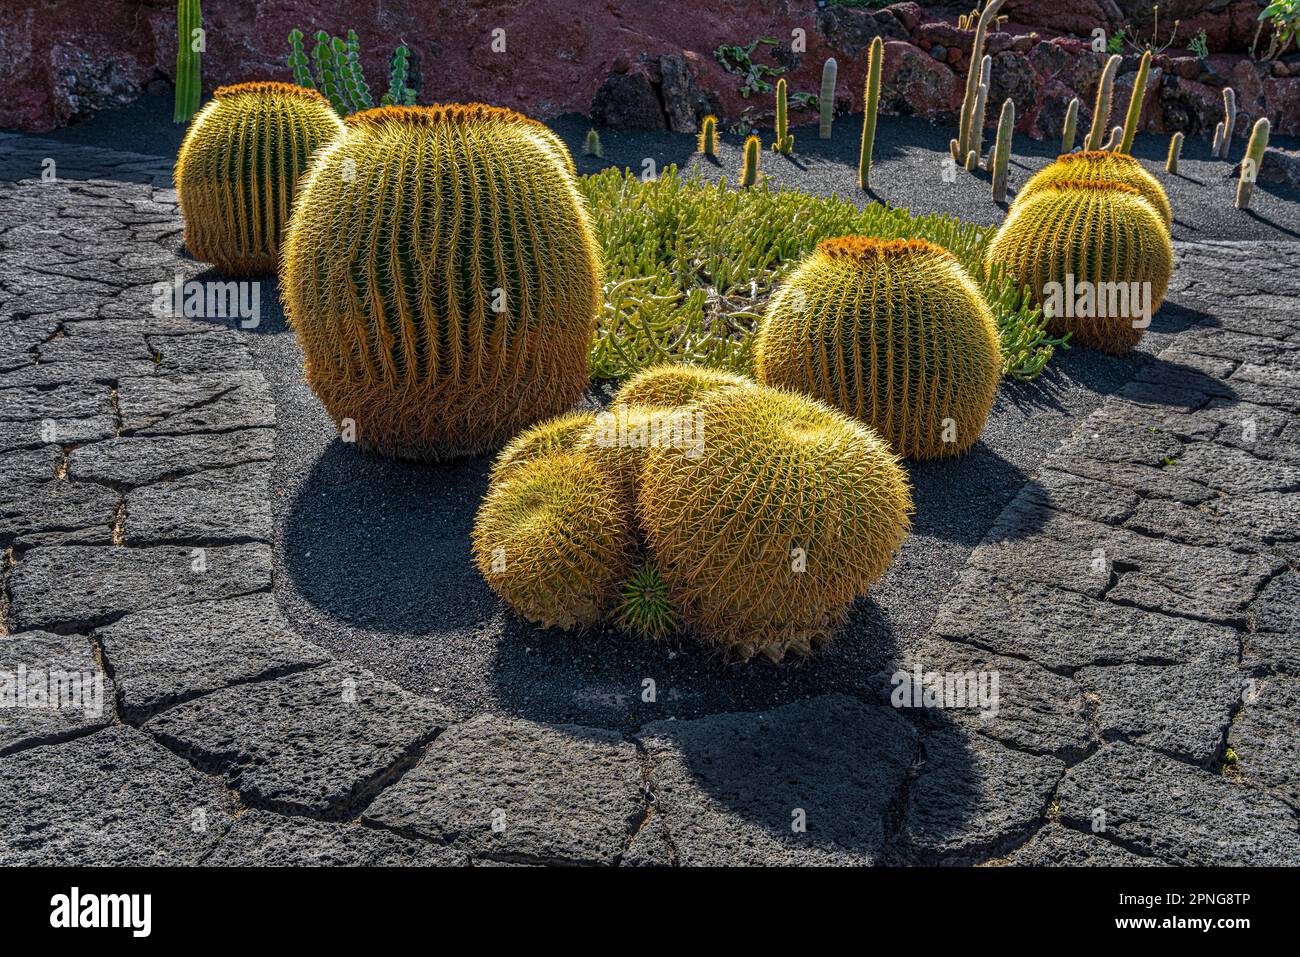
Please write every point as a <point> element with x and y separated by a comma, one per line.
<point>1182,710</point>
<point>1084,497</point>
<point>731,787</point>
<point>1177,812</point>
<point>133,461</point>
<point>56,513</point>
<point>75,586</point>
<point>1057,846</point>
<point>1244,523</point>
<point>220,350</point>
<point>651,846</point>
<point>519,790</point>
<point>972,797</point>
<point>318,742</point>
<point>160,656</point>
<point>61,690</point>
<point>1265,740</point>
<point>34,465</point>
<point>114,798</point>
<point>1063,630</point>
<point>204,403</point>
<point>1235,471</point>
<point>263,839</point>
<point>1034,710</point>
<point>71,400</point>
<point>216,506</point>
<point>1276,616</point>
<point>1143,479</point>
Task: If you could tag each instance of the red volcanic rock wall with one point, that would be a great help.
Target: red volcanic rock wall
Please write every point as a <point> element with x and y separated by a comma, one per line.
<point>649,63</point>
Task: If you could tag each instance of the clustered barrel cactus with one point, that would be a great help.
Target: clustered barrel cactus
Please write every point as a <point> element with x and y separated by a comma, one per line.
<point>238,169</point>
<point>442,278</point>
<point>1101,165</point>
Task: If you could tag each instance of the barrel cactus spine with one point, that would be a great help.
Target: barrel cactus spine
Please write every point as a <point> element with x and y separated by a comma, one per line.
<point>670,386</point>
<point>1094,253</point>
<point>239,167</point>
<point>791,512</point>
<point>1250,163</point>
<point>892,332</point>
<point>1101,106</point>
<point>563,433</point>
<point>442,328</point>
<point>1101,165</point>
<point>826,99</point>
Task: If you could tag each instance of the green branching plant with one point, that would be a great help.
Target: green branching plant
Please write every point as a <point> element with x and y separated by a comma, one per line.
<point>871,102</point>
<point>1250,163</point>
<point>1135,104</point>
<point>1175,152</point>
<point>189,50</point>
<point>826,99</point>
<point>1282,17</point>
<point>965,137</point>
<point>1200,46</point>
<point>334,69</point>
<point>1071,125</point>
<point>784,142</point>
<point>738,61</point>
<point>1101,106</point>
<point>690,266</point>
<point>1002,151</point>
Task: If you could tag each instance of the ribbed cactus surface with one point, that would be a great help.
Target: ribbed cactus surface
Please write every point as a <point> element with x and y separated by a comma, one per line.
<point>564,433</point>
<point>1086,238</point>
<point>443,278</point>
<point>670,386</point>
<point>1101,165</point>
<point>765,539</point>
<point>893,332</point>
<point>238,169</point>
<point>554,540</point>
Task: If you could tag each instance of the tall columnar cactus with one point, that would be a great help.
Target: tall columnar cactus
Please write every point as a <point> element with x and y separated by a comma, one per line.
<point>1229,121</point>
<point>826,99</point>
<point>555,540</point>
<point>893,332</point>
<point>1068,131</point>
<point>189,72</point>
<point>749,167</point>
<point>443,278</point>
<point>1134,113</point>
<point>239,166</point>
<point>707,143</point>
<point>870,102</point>
<point>1101,106</point>
<point>1101,166</point>
<point>981,109</point>
<point>765,539</point>
<point>1250,163</point>
<point>1094,253</point>
<point>1175,151</point>
<point>1216,146</point>
<point>965,130</point>
<point>784,141</point>
<point>1002,150</point>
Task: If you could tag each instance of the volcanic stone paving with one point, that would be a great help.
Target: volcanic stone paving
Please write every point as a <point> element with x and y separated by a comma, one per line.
<point>1139,601</point>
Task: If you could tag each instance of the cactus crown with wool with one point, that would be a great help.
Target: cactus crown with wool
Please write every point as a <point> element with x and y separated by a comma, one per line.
<point>442,277</point>
<point>1094,237</point>
<point>239,166</point>
<point>554,540</point>
<point>893,332</point>
<point>1098,166</point>
<point>765,539</point>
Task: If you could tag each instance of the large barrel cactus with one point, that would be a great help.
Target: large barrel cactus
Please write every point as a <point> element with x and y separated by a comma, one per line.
<point>443,279</point>
<point>764,540</point>
<point>1096,254</point>
<point>894,332</point>
<point>239,166</point>
<point>1101,165</point>
<point>669,386</point>
<point>555,540</point>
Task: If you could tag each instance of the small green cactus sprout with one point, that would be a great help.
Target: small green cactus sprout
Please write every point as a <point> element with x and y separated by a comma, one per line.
<point>1251,161</point>
<point>972,161</point>
<point>592,146</point>
<point>784,141</point>
<point>826,99</point>
<point>1135,104</point>
<point>1101,107</point>
<point>749,171</point>
<point>645,609</point>
<point>1229,121</point>
<point>974,76</point>
<point>1175,151</point>
<point>1071,125</point>
<point>708,139</point>
<point>871,100</point>
<point>1113,141</point>
<point>1002,151</point>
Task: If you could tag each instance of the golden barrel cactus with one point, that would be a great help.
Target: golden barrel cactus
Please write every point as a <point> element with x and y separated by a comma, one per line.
<point>669,386</point>
<point>239,166</point>
<point>893,332</point>
<point>564,433</point>
<point>1099,165</point>
<point>1095,254</point>
<point>554,540</point>
<point>765,539</point>
<point>443,279</point>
